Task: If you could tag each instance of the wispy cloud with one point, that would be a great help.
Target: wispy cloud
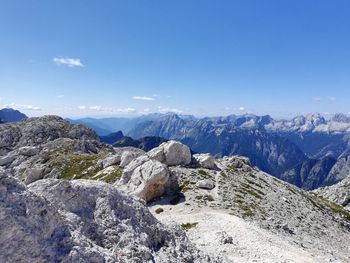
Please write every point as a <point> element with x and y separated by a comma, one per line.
<point>241,108</point>
<point>331,98</point>
<point>70,62</point>
<point>166,110</point>
<point>142,98</point>
<point>60,96</point>
<point>22,107</point>
<point>107,109</point>
<point>316,98</point>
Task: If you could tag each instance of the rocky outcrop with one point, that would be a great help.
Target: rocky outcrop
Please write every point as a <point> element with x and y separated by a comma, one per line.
<point>339,171</point>
<point>144,178</point>
<point>205,184</point>
<point>204,160</point>
<point>37,131</point>
<point>309,174</point>
<point>171,153</point>
<point>297,217</point>
<point>338,193</point>
<point>83,221</point>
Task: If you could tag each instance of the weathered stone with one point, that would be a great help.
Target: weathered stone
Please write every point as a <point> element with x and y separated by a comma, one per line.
<point>28,151</point>
<point>147,180</point>
<point>171,153</point>
<point>205,160</point>
<point>205,184</point>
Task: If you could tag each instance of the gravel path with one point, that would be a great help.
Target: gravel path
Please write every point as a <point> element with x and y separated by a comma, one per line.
<point>249,242</point>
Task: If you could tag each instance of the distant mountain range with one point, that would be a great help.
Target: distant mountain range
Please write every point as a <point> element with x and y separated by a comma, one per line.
<point>11,115</point>
<point>302,151</point>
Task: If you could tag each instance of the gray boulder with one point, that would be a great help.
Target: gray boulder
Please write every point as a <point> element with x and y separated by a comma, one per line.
<point>83,221</point>
<point>205,160</point>
<point>171,153</point>
<point>205,184</point>
<point>145,178</point>
<point>28,151</point>
<point>128,156</point>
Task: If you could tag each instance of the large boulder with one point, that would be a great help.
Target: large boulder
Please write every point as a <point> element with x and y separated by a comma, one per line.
<point>205,184</point>
<point>83,221</point>
<point>172,153</point>
<point>145,178</point>
<point>204,160</point>
<point>128,156</point>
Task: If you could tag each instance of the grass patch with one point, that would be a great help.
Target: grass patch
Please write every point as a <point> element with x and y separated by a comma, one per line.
<point>209,198</point>
<point>189,226</point>
<point>112,177</point>
<point>202,172</point>
<point>159,210</point>
<point>337,208</point>
<point>185,186</point>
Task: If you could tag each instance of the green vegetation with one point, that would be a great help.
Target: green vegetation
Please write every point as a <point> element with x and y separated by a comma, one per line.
<point>80,166</point>
<point>188,226</point>
<point>222,173</point>
<point>159,210</point>
<point>110,178</point>
<point>202,172</point>
<point>185,186</point>
<point>337,208</point>
<point>210,198</point>
<point>248,189</point>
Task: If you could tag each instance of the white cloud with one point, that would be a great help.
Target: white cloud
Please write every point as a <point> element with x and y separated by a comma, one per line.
<point>22,107</point>
<point>60,96</point>
<point>142,98</point>
<point>332,98</point>
<point>145,111</point>
<point>166,110</point>
<point>82,107</point>
<point>241,109</point>
<point>107,109</point>
<point>316,98</point>
<point>70,62</point>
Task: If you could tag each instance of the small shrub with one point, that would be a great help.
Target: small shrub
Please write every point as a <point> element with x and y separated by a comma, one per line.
<point>202,172</point>
<point>159,210</point>
<point>188,226</point>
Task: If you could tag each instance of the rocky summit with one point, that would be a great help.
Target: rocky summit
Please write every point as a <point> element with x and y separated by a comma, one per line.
<point>67,197</point>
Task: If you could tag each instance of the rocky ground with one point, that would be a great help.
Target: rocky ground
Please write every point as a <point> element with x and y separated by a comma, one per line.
<point>338,193</point>
<point>74,199</point>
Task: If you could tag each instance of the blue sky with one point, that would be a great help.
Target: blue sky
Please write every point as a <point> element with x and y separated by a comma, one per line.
<point>122,58</point>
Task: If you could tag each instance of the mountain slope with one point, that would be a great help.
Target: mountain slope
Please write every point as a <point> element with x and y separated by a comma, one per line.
<point>112,137</point>
<point>145,143</point>
<point>269,152</point>
<point>310,174</point>
<point>11,115</point>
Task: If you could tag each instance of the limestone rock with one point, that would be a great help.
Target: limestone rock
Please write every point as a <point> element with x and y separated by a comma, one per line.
<point>128,156</point>
<point>171,153</point>
<point>6,160</point>
<point>83,221</point>
<point>28,151</point>
<point>205,160</point>
<point>145,178</point>
<point>111,160</point>
<point>205,184</point>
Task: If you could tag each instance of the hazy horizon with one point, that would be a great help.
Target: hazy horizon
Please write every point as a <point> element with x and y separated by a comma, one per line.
<point>203,58</point>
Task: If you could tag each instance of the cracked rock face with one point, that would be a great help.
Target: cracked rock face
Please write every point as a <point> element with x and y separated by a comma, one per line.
<point>83,221</point>
<point>145,178</point>
<point>172,153</point>
<point>205,160</point>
